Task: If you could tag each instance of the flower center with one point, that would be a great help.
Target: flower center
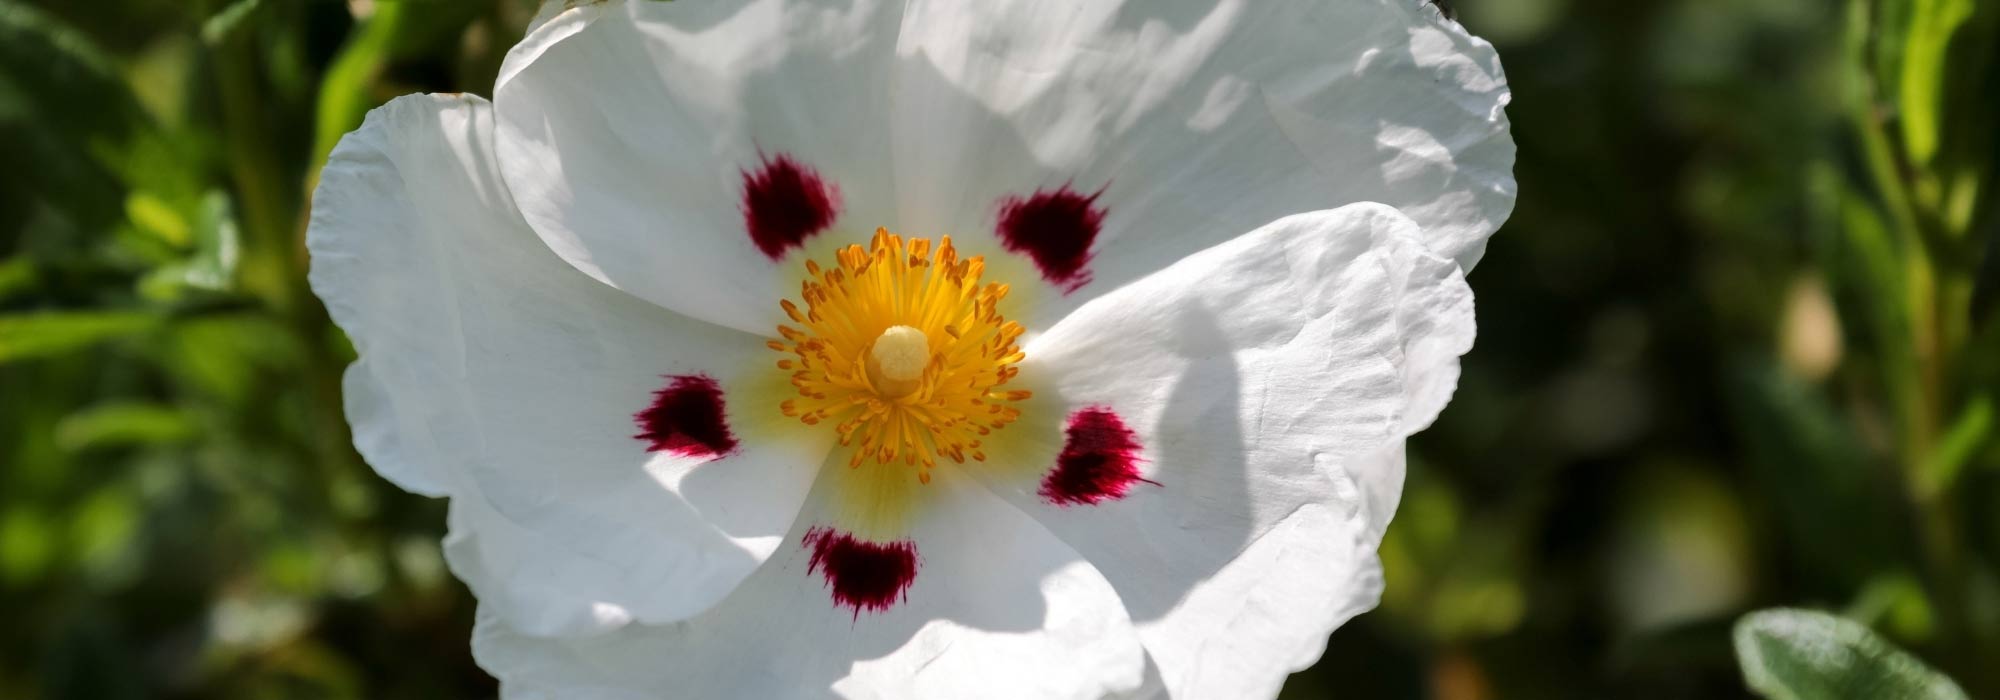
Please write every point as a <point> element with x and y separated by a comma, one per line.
<point>896,361</point>
<point>903,351</point>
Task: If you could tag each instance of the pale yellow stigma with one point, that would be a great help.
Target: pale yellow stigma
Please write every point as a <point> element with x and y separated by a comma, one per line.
<point>896,361</point>
<point>904,352</point>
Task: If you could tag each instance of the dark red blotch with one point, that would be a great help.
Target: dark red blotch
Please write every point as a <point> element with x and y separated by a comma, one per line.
<point>686,418</point>
<point>1055,229</point>
<point>786,202</point>
<point>862,575</point>
<point>1099,461</point>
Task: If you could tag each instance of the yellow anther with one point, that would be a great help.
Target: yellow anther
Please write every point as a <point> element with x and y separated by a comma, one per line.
<point>902,345</point>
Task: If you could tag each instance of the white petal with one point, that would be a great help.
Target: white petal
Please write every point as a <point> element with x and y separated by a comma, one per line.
<point>1435,323</point>
<point>1201,120</point>
<point>1253,373</point>
<point>524,576</point>
<point>1197,120</point>
<point>1268,613</point>
<point>625,129</point>
<point>999,609</point>
<point>392,443</point>
<point>491,368</point>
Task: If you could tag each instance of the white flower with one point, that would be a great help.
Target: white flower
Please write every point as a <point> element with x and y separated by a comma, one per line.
<point>722,412</point>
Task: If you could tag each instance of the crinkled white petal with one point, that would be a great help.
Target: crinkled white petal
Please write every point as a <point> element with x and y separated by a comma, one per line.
<point>1201,120</point>
<point>625,128</point>
<point>490,369</point>
<point>999,609</point>
<point>1196,120</point>
<point>1435,324</point>
<point>1254,373</point>
<point>1267,613</point>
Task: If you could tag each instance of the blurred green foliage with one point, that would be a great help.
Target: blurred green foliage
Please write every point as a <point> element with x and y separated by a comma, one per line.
<point>1739,348</point>
<point>1792,654</point>
<point>181,514</point>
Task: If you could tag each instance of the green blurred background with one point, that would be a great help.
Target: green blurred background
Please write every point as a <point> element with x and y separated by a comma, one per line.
<point>1738,349</point>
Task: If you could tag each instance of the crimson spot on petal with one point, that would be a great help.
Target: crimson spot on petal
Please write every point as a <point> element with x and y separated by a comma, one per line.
<point>1055,229</point>
<point>1099,461</point>
<point>686,418</point>
<point>786,202</point>
<point>862,575</point>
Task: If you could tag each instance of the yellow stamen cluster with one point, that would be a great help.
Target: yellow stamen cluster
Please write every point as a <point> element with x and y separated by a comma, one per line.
<point>903,352</point>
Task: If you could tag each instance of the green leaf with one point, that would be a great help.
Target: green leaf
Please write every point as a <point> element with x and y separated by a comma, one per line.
<point>1961,442</point>
<point>1791,654</point>
<point>349,89</point>
<point>344,97</point>
<point>123,423</point>
<point>221,24</point>
<point>1921,88</point>
<point>218,243</point>
<point>154,216</point>
<point>47,333</point>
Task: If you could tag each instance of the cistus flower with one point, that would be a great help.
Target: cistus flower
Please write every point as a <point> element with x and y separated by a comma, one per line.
<point>918,349</point>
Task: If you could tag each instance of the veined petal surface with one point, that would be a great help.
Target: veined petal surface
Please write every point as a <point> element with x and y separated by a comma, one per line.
<point>1161,127</point>
<point>1194,121</point>
<point>1250,376</point>
<point>629,133</point>
<point>492,370</point>
<point>1000,609</point>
